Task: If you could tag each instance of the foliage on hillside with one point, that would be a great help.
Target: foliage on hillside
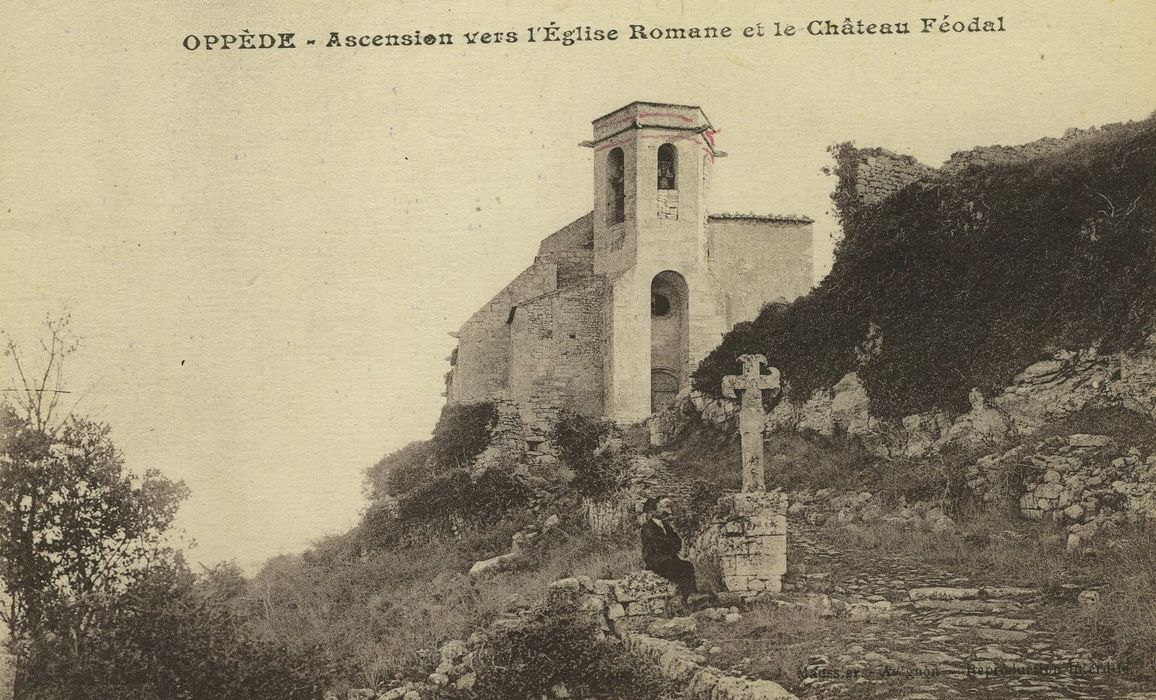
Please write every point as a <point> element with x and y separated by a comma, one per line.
<point>173,634</point>
<point>461,433</point>
<point>384,612</point>
<point>580,439</point>
<point>968,278</point>
<point>426,487</point>
<point>562,648</point>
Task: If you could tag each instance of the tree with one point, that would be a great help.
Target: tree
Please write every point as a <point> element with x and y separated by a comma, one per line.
<point>77,528</point>
<point>76,524</point>
<point>37,391</point>
<point>173,634</point>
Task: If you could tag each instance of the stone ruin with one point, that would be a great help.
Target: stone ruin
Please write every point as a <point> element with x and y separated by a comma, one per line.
<point>752,542</point>
<point>752,532</point>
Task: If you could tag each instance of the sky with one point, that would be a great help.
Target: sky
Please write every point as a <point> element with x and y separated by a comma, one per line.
<point>264,252</point>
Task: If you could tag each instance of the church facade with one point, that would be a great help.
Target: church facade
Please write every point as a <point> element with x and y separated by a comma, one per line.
<point>621,304</point>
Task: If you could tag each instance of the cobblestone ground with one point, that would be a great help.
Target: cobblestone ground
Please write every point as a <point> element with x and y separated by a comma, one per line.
<point>975,638</point>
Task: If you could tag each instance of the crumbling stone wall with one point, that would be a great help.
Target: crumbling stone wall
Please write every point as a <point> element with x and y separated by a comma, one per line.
<point>687,668</point>
<point>879,173</point>
<point>871,175</point>
<point>1088,483</point>
<point>631,608</point>
<point>507,443</point>
<point>987,155</point>
<point>615,601</point>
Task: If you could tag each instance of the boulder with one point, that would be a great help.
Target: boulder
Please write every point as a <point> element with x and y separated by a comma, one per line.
<point>494,565</point>
<point>673,628</point>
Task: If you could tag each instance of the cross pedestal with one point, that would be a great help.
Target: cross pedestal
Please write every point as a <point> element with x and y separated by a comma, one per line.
<point>753,528</point>
<point>752,417</point>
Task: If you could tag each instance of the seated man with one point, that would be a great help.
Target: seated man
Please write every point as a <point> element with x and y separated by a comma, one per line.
<point>661,546</point>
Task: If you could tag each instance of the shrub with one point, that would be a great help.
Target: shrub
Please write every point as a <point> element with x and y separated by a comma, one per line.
<point>173,635</point>
<point>940,478</point>
<point>696,507</point>
<point>462,432</point>
<point>416,472</point>
<point>578,437</point>
<point>1124,621</point>
<point>455,498</point>
<point>563,648</point>
<point>399,471</point>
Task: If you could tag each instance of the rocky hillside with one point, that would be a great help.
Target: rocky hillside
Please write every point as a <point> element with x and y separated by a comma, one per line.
<point>953,281</point>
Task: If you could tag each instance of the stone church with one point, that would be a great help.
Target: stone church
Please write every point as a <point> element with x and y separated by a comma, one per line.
<point>621,304</point>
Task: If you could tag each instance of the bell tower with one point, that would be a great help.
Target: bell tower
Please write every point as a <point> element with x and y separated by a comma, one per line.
<point>652,165</point>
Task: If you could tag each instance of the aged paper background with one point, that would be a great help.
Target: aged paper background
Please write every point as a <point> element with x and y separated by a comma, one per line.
<point>264,250</point>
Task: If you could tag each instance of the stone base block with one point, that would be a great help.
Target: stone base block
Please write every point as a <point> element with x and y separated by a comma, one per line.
<point>756,503</point>
<point>753,542</point>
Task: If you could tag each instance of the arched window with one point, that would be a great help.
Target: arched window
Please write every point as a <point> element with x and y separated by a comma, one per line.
<point>667,167</point>
<point>616,187</point>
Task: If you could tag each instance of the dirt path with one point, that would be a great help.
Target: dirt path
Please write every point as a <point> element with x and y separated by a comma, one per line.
<point>972,638</point>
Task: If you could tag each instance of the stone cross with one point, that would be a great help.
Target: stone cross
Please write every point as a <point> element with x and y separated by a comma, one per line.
<point>752,417</point>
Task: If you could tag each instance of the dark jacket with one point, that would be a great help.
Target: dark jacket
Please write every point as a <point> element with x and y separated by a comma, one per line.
<point>659,547</point>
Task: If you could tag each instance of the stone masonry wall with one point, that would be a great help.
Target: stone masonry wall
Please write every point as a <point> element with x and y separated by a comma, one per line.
<point>687,668</point>
<point>558,358</point>
<point>986,155</point>
<point>635,609</point>
<point>578,234</point>
<point>753,542</point>
<point>482,368</point>
<point>881,173</point>
<point>483,359</point>
<point>507,439</point>
<point>755,260</point>
<point>1088,483</point>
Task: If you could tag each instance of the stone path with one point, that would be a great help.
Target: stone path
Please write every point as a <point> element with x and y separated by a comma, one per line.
<point>972,638</point>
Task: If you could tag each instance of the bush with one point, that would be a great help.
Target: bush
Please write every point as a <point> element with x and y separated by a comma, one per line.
<point>578,438</point>
<point>456,499</point>
<point>970,277</point>
<point>563,648</point>
<point>940,478</point>
<point>1124,621</point>
<point>462,432</point>
<point>696,507</point>
<point>399,471</point>
<point>173,635</point>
